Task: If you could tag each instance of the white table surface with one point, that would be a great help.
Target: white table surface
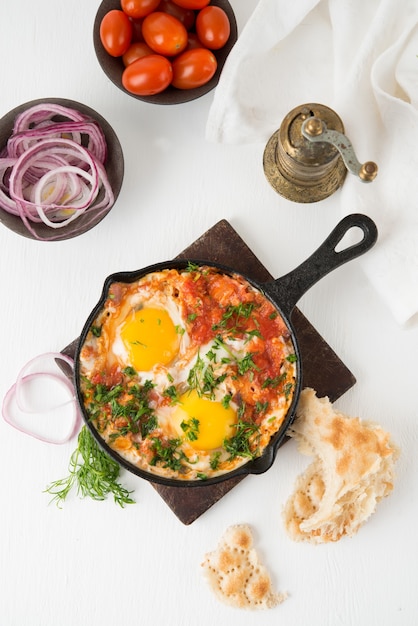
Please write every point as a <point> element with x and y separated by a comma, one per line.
<point>92,563</point>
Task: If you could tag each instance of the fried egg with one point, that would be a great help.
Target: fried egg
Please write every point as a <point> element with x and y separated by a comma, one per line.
<point>148,334</point>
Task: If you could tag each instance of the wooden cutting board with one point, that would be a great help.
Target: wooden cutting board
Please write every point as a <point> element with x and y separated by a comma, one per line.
<point>322,369</point>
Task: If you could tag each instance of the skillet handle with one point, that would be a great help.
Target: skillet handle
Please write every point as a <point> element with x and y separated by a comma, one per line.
<point>288,289</point>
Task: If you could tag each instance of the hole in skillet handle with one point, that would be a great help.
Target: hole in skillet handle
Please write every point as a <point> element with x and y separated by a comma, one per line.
<point>288,289</point>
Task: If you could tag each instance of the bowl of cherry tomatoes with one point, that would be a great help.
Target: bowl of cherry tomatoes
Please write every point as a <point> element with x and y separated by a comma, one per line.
<point>164,51</point>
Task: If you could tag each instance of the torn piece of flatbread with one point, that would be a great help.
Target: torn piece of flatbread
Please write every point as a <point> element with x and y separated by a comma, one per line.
<point>235,573</point>
<point>353,468</point>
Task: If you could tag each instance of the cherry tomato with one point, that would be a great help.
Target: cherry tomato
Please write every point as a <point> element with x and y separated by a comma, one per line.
<point>193,68</point>
<point>213,27</point>
<point>115,32</point>
<point>192,4</point>
<point>147,76</point>
<point>136,50</point>
<point>186,16</point>
<point>138,8</point>
<point>164,33</point>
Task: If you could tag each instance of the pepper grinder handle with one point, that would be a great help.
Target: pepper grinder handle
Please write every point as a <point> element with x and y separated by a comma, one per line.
<point>315,130</point>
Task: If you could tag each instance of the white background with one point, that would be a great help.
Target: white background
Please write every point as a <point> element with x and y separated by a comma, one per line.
<point>92,563</point>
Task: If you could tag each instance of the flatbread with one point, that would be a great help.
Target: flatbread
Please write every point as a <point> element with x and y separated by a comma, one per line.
<point>352,470</point>
<point>235,574</point>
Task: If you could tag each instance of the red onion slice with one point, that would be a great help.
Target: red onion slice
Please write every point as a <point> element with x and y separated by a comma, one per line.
<point>33,414</point>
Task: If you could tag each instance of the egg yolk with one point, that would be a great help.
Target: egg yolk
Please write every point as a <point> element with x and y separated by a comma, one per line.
<point>150,337</point>
<point>202,422</point>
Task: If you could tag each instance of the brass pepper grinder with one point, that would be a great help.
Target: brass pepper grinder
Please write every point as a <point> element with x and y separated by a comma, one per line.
<point>307,159</point>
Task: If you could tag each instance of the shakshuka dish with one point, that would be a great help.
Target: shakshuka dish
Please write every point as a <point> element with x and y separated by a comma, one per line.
<point>188,373</point>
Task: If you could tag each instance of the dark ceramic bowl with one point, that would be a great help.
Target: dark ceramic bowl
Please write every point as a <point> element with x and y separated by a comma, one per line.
<point>114,168</point>
<point>113,66</point>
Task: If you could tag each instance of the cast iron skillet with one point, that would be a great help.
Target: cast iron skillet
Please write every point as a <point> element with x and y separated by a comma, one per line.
<point>283,293</point>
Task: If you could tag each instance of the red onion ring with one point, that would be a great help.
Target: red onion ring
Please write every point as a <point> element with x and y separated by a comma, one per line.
<point>52,171</point>
<point>25,376</point>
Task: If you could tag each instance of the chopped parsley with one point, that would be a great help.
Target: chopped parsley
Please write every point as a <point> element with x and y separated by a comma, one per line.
<point>274,382</point>
<point>172,393</point>
<point>242,442</point>
<point>215,460</point>
<point>191,428</point>
<point>226,401</point>
<point>168,454</point>
<point>192,267</point>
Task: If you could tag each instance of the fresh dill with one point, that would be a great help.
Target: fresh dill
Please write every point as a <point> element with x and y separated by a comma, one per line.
<point>92,473</point>
<point>203,379</point>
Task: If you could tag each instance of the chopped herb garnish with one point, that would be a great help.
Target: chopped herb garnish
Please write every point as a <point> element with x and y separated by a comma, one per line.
<point>215,460</point>
<point>292,358</point>
<point>191,317</point>
<point>128,402</point>
<point>246,363</point>
<point>192,267</point>
<point>241,409</point>
<point>172,393</point>
<point>129,371</point>
<point>274,382</point>
<point>191,428</point>
<point>167,454</point>
<point>202,378</point>
<point>251,334</point>
<point>148,425</point>
<point>261,407</point>
<point>96,330</point>
<point>211,355</point>
<point>226,401</point>
<point>139,343</point>
<point>288,390</point>
<point>103,394</point>
<point>242,442</point>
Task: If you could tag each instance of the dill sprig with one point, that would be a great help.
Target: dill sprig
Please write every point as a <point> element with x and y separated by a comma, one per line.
<point>92,472</point>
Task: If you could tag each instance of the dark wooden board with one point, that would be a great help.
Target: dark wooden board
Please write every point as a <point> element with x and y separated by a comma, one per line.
<point>322,369</point>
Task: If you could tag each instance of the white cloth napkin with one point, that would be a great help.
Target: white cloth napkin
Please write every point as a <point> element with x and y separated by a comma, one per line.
<point>361,59</point>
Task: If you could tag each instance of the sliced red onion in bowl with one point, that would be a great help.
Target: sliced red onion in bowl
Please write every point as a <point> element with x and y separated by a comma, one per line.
<point>52,170</point>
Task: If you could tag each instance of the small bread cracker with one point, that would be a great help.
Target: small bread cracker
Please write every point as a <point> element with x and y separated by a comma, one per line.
<point>235,573</point>
<point>353,468</point>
